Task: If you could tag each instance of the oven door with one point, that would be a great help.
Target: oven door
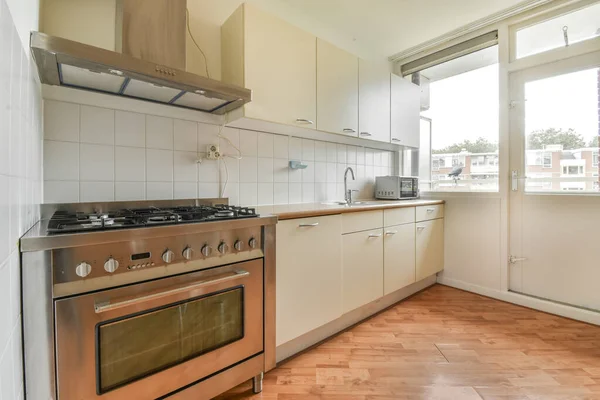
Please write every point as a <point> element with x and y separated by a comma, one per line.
<point>146,340</point>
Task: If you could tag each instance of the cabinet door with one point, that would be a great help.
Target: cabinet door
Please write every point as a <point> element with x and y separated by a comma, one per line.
<point>362,280</point>
<point>430,247</point>
<point>280,69</point>
<point>337,90</point>
<point>309,275</point>
<point>374,102</point>
<point>406,112</point>
<point>398,257</point>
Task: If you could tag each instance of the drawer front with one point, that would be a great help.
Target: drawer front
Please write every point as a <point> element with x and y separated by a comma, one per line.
<point>398,216</point>
<point>362,221</point>
<point>425,213</point>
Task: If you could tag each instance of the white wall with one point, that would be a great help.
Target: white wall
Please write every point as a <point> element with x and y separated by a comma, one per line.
<point>102,154</point>
<point>20,176</point>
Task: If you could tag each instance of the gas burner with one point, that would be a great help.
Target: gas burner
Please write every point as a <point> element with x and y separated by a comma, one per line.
<point>224,213</point>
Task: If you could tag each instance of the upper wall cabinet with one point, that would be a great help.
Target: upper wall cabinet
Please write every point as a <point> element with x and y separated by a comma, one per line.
<point>274,59</point>
<point>337,90</point>
<point>405,112</point>
<point>374,102</point>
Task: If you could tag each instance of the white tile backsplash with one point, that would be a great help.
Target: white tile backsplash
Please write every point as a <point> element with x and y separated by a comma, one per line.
<point>157,158</point>
<point>97,125</point>
<point>61,121</point>
<point>21,158</point>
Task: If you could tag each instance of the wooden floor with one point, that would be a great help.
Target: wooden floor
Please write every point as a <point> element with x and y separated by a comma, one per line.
<point>444,343</point>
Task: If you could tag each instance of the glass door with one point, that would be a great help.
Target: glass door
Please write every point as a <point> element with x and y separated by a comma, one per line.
<point>554,200</point>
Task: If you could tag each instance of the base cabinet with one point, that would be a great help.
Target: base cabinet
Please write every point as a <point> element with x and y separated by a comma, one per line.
<point>429,247</point>
<point>398,257</point>
<point>362,274</point>
<point>309,275</point>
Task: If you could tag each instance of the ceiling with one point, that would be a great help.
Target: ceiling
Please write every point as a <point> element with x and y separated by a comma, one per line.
<point>381,28</point>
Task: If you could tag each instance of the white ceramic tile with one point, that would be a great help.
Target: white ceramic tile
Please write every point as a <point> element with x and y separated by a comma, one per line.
<point>294,175</point>
<point>308,150</point>
<point>386,159</point>
<point>233,136</point>
<point>130,164</point>
<point>308,174</point>
<point>97,162</point>
<point>369,157</point>
<point>360,155</point>
<point>248,194</point>
<point>341,170</point>
<point>4,216</point>
<point>61,160</point>
<point>332,192</point>
<point>159,166</point>
<point>185,135</point>
<point>341,153</point>
<point>233,169</point>
<point>308,192</point>
<point>369,172</point>
<point>5,327</point>
<point>17,351</point>
<point>331,152</point>
<point>232,192</point>
<point>248,171</point>
<point>320,192</point>
<point>280,170</point>
<point>248,144</point>
<point>130,129</point>
<point>377,158</point>
<point>185,168</point>
<point>159,132</point>
<point>265,145</point>
<point>96,191</point>
<point>331,172</point>
<point>97,125</point>
<point>208,171</point>
<point>339,191</point>
<point>15,203</point>
<point>295,149</point>
<point>281,146</point>
<point>265,170</point>
<point>351,154</point>
<point>208,135</point>
<point>159,190</point>
<point>126,191</point>
<point>360,172</point>
<point>280,193</point>
<point>320,172</point>
<point>61,121</point>
<point>265,193</point>
<point>7,383</point>
<point>61,192</point>
<point>295,193</point>
<point>320,151</point>
<point>185,190</point>
<point>208,190</point>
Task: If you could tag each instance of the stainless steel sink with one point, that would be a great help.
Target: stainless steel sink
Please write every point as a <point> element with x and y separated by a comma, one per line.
<point>343,203</point>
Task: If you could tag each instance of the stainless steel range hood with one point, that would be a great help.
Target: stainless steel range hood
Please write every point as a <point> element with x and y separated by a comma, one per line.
<point>63,62</point>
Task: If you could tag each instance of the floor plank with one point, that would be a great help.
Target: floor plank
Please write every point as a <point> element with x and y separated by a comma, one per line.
<point>444,343</point>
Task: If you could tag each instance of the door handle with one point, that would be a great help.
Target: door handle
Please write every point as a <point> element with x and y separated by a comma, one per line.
<point>514,260</point>
<point>430,210</point>
<point>375,235</point>
<point>308,225</point>
<point>108,306</point>
<point>396,140</point>
<point>305,121</point>
<point>420,228</point>
<point>390,233</point>
<point>350,130</point>
<point>514,180</point>
<point>365,134</point>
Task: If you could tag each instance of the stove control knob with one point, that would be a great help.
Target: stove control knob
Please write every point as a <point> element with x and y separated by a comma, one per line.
<point>223,248</point>
<point>168,256</point>
<point>206,250</point>
<point>83,269</point>
<point>238,245</point>
<point>188,252</point>
<point>252,243</point>
<point>111,265</point>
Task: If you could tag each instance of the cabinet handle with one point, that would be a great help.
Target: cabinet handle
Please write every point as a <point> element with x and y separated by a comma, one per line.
<point>349,130</point>
<point>430,210</point>
<point>375,235</point>
<point>305,121</point>
<point>308,225</point>
<point>395,139</point>
<point>420,228</point>
<point>391,232</point>
<point>365,134</point>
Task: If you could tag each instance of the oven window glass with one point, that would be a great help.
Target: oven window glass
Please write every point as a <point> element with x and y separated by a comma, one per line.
<point>137,346</point>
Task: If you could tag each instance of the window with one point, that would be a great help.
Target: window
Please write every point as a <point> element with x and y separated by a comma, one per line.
<point>580,25</point>
<point>547,160</point>
<point>463,109</point>
<point>595,159</point>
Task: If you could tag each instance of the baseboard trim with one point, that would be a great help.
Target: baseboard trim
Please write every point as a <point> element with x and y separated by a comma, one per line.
<point>546,306</point>
<point>309,339</point>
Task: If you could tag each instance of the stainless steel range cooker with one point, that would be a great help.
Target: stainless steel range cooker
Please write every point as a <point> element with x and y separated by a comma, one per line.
<point>147,300</point>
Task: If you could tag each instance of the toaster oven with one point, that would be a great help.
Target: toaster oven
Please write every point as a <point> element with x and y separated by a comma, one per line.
<point>396,187</point>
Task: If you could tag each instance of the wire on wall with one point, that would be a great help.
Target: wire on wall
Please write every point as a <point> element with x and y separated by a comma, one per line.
<point>187,19</point>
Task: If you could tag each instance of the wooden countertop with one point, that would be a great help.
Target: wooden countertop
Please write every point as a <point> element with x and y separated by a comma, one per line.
<point>291,211</point>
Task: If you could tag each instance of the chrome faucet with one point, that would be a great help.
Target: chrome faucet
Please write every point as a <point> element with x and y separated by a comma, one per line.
<point>348,193</point>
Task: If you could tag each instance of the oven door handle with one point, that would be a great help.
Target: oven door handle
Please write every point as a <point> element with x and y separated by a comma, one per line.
<point>108,306</point>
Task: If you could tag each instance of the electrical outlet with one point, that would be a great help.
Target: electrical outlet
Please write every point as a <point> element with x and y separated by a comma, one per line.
<point>213,152</point>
